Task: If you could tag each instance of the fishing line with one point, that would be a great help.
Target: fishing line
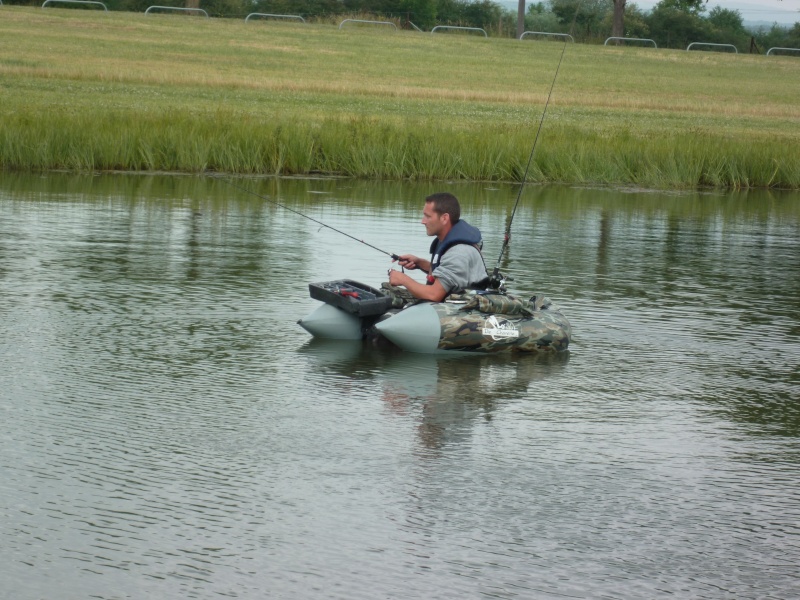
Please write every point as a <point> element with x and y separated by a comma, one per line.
<point>494,279</point>
<point>297,212</point>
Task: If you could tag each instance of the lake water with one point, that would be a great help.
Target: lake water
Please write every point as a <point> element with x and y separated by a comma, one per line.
<point>168,431</point>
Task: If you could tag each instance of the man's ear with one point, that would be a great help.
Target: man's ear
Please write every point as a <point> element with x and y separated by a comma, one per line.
<point>445,217</point>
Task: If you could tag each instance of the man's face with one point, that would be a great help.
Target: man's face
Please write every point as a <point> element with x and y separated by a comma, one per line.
<point>433,221</point>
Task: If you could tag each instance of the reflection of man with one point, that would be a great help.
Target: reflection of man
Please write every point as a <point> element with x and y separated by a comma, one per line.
<point>448,398</point>
<point>456,262</point>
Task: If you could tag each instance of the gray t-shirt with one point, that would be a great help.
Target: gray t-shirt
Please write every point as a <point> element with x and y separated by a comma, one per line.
<point>461,267</point>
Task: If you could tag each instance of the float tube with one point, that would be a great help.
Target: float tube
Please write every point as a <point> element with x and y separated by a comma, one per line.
<point>475,321</point>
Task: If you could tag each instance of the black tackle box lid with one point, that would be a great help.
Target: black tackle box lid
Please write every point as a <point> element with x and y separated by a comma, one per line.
<point>351,296</point>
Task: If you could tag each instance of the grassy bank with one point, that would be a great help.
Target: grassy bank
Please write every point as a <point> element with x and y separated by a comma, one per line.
<point>86,90</point>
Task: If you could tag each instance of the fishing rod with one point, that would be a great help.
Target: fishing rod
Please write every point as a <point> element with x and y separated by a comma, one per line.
<point>495,280</point>
<point>297,212</point>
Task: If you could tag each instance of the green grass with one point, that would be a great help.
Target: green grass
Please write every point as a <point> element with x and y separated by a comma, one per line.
<point>87,91</point>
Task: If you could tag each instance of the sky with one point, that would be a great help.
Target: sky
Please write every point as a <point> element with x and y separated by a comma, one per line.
<point>785,12</point>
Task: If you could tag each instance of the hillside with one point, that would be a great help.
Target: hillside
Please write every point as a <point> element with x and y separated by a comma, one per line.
<point>87,90</point>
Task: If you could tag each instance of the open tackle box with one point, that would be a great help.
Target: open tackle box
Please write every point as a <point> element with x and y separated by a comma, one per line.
<point>352,297</point>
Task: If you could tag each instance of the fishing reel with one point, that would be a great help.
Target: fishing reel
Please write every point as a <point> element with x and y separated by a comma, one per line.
<point>497,282</point>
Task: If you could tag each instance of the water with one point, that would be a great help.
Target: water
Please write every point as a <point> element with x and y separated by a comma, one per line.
<point>169,431</point>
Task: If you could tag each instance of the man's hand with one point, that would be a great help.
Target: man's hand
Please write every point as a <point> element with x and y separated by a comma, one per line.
<point>397,278</point>
<point>408,261</point>
<point>411,262</point>
<point>434,293</point>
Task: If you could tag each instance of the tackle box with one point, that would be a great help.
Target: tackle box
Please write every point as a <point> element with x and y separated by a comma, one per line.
<point>352,297</point>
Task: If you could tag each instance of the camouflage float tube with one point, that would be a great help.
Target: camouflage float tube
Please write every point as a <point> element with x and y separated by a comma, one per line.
<point>478,322</point>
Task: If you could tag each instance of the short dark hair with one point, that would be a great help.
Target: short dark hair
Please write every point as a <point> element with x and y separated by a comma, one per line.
<point>444,202</point>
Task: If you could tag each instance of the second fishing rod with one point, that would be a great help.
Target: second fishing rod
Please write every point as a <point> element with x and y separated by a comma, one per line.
<point>495,278</point>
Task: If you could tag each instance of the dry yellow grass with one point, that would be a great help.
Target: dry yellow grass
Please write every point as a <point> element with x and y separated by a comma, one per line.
<point>610,105</point>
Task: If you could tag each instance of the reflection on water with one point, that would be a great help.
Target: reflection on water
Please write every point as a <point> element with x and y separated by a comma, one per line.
<point>446,393</point>
<point>169,431</point>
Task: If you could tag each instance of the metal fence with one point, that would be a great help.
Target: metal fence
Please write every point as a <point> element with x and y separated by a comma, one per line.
<point>94,2</point>
<point>525,34</point>
<point>735,49</point>
<point>191,10</point>
<point>783,49</point>
<point>271,16</point>
<point>563,35</point>
<point>442,27</point>
<point>627,39</point>
<point>367,22</point>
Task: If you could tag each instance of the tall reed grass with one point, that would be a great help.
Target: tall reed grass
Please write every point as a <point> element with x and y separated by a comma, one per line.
<point>125,92</point>
<point>358,147</point>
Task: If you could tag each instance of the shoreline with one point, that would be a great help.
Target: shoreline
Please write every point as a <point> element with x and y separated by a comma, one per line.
<point>193,96</point>
<point>626,187</point>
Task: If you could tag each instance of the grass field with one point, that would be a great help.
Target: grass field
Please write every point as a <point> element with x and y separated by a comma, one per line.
<point>87,90</point>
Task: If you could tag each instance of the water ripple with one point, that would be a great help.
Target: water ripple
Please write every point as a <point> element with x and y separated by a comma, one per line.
<point>169,431</point>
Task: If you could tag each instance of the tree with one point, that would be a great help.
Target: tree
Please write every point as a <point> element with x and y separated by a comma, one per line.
<point>724,18</point>
<point>482,13</point>
<point>727,27</point>
<point>793,37</point>
<point>618,22</point>
<point>674,27</point>
<point>541,19</point>
<point>634,23</point>
<point>694,7</point>
<point>775,36</point>
<point>588,14</point>
<point>421,12</point>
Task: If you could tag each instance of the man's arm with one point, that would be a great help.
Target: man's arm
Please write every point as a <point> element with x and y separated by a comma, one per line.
<point>434,293</point>
<point>411,262</point>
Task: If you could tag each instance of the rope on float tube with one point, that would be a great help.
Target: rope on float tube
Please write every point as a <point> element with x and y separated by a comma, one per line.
<point>495,279</point>
<point>297,212</point>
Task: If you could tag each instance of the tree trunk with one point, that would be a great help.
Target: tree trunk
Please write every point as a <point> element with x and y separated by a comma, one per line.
<point>618,24</point>
<point>520,18</point>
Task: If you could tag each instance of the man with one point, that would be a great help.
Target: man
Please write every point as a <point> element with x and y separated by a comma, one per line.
<point>456,262</point>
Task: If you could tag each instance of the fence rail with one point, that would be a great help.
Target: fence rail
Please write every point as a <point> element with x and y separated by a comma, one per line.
<point>785,49</point>
<point>46,2</point>
<point>268,15</point>
<point>627,39</point>
<point>564,35</point>
<point>367,22</point>
<point>193,10</point>
<point>462,28</point>
<point>735,49</point>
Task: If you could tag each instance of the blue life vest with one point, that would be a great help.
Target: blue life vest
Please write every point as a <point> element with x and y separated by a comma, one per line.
<point>461,233</point>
